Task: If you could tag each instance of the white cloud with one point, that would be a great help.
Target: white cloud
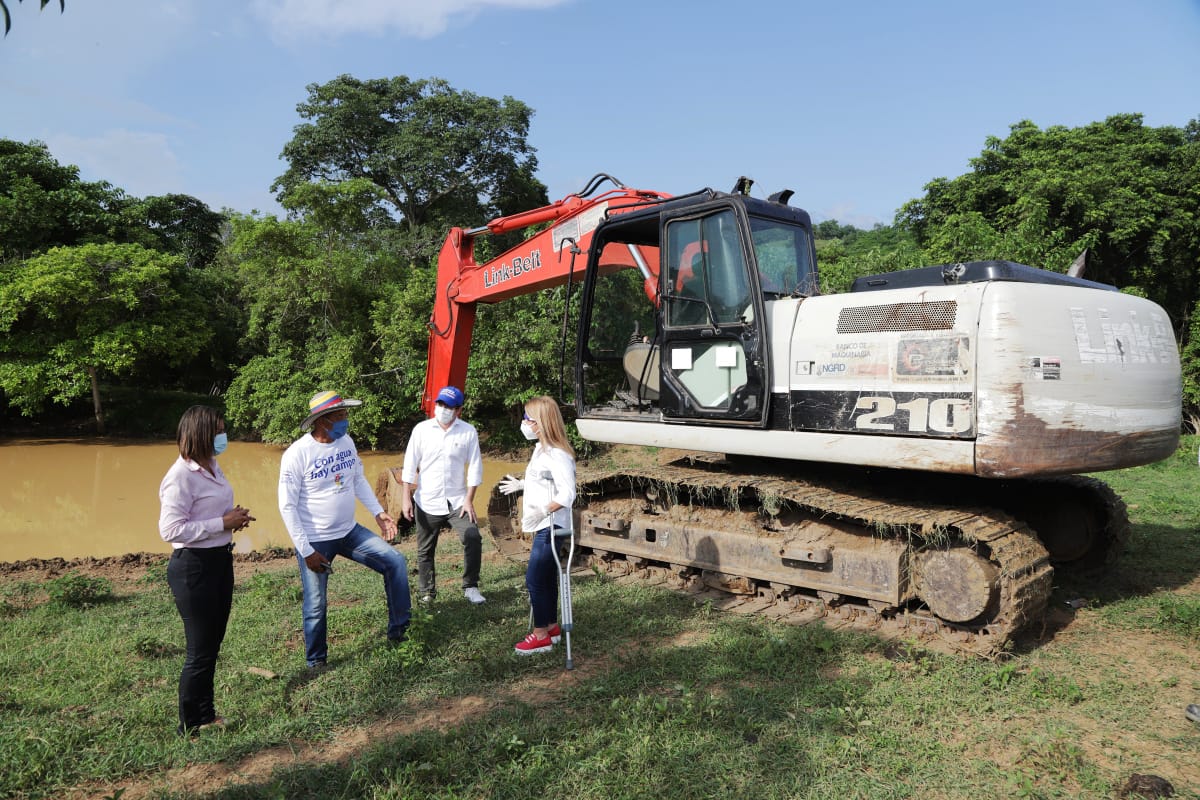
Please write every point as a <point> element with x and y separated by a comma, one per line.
<point>142,164</point>
<point>291,20</point>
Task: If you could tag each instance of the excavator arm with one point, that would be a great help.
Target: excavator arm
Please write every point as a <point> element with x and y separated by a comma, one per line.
<point>546,259</point>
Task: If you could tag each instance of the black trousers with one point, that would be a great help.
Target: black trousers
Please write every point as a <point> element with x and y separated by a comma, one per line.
<point>429,527</point>
<point>202,582</point>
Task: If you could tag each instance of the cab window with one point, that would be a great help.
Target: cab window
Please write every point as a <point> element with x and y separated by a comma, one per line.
<point>784,258</point>
<point>706,273</point>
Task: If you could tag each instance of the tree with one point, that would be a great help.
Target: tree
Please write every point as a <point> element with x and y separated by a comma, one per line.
<point>179,224</point>
<point>73,314</point>
<point>1124,191</point>
<point>62,6</point>
<point>44,204</point>
<point>309,292</point>
<point>845,253</point>
<point>340,292</point>
<point>437,156</point>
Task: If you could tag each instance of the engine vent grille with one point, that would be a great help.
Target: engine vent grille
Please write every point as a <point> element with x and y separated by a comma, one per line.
<point>935,316</point>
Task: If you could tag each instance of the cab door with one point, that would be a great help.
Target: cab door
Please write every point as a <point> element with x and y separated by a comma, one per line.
<point>713,359</point>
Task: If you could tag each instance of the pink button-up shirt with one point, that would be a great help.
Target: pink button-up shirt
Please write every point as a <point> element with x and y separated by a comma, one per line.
<point>193,503</point>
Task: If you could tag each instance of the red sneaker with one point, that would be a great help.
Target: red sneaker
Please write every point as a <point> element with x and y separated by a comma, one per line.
<point>532,644</point>
<point>555,633</point>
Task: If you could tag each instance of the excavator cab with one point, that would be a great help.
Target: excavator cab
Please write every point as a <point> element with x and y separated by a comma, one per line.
<point>699,351</point>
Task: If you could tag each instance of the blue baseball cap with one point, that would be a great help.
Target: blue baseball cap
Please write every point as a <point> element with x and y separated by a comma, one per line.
<point>450,397</point>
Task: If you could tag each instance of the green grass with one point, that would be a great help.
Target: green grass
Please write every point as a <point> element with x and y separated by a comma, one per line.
<point>670,699</point>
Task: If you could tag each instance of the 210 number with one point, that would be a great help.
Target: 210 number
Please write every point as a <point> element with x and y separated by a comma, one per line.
<point>943,415</point>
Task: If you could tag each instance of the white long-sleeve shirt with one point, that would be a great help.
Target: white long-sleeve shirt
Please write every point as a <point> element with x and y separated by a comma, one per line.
<point>318,484</point>
<point>194,503</point>
<point>559,487</point>
<point>443,463</point>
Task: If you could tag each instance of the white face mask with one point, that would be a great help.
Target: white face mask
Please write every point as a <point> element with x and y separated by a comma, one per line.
<point>528,430</point>
<point>444,415</point>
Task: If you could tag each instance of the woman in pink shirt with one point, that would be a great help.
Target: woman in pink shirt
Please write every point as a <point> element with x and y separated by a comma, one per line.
<point>199,518</point>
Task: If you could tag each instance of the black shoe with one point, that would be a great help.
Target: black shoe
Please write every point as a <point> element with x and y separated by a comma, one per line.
<point>1192,712</point>
<point>319,666</point>
<point>398,640</point>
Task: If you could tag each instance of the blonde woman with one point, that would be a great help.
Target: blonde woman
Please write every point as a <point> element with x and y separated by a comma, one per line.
<point>549,487</point>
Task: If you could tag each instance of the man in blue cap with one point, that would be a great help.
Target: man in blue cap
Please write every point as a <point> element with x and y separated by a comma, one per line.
<point>443,469</point>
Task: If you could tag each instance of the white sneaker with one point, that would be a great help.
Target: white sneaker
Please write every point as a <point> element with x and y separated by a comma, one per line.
<point>472,594</point>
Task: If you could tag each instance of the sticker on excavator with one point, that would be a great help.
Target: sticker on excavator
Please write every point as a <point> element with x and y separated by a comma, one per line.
<point>1044,369</point>
<point>572,230</point>
<point>938,358</point>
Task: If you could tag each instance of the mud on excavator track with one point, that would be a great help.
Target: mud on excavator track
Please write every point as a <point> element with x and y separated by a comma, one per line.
<point>897,559</point>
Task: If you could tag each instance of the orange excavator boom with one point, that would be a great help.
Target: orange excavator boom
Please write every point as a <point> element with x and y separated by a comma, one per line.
<point>548,258</point>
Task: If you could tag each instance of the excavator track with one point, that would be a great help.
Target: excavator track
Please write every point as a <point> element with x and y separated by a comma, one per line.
<point>788,546</point>
<point>1082,522</point>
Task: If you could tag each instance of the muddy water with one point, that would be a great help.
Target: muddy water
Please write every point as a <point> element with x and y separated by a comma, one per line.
<point>71,499</point>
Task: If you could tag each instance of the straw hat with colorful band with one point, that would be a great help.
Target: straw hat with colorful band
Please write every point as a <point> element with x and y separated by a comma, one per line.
<point>324,402</point>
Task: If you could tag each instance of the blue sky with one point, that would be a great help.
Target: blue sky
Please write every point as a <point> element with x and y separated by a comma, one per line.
<point>854,105</point>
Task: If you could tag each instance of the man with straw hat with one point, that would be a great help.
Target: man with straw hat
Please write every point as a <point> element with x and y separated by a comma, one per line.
<point>320,477</point>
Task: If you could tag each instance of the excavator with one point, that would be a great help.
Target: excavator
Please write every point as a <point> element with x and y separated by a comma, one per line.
<point>905,457</point>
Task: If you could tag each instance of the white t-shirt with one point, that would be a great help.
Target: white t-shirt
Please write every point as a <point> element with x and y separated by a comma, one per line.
<point>317,486</point>
<point>443,463</point>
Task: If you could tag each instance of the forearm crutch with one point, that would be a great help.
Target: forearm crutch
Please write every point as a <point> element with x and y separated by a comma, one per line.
<point>564,572</point>
<point>564,581</point>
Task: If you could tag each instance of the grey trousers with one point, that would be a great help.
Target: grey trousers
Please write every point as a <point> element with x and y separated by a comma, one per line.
<point>429,527</point>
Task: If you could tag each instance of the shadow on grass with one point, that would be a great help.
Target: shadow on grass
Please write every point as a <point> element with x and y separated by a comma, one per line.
<point>1137,591</point>
<point>663,692</point>
<point>1157,557</point>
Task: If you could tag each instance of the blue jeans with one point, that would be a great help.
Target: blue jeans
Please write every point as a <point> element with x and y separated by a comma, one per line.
<point>371,551</point>
<point>541,579</point>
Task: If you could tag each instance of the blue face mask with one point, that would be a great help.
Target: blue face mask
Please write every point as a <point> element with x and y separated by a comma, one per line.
<point>220,442</point>
<point>338,429</point>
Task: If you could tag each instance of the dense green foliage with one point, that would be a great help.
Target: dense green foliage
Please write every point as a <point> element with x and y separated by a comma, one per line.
<point>44,204</point>
<point>1127,193</point>
<point>337,294</point>
<point>670,697</point>
<point>845,253</point>
<point>73,314</point>
<point>435,156</point>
